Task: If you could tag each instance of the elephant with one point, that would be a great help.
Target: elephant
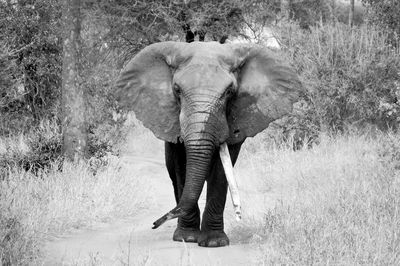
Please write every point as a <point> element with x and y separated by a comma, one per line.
<point>197,96</point>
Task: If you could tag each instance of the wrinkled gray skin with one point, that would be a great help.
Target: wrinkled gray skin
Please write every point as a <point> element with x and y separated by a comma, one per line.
<point>195,96</point>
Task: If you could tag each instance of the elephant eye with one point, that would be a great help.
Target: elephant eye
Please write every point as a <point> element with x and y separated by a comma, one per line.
<point>177,90</point>
<point>230,90</point>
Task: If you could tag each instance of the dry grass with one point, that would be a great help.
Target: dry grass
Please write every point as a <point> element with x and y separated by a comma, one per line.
<point>36,207</point>
<point>336,203</point>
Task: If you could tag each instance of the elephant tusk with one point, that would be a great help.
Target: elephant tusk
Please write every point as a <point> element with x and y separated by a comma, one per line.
<point>233,188</point>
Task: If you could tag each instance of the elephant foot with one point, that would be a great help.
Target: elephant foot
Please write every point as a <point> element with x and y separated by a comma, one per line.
<point>213,239</point>
<point>186,234</point>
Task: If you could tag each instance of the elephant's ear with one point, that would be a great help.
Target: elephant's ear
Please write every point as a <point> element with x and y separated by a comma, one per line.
<point>145,86</point>
<point>267,89</point>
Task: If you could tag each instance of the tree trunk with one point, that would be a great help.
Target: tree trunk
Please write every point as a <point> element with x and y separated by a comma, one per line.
<point>351,13</point>
<point>73,96</point>
<point>332,10</point>
<point>285,9</point>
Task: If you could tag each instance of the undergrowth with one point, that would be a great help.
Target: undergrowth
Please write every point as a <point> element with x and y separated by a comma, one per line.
<point>336,203</point>
<point>32,151</point>
<point>350,74</point>
<point>37,205</point>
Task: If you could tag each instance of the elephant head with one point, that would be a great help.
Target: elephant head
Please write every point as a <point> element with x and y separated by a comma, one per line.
<point>205,94</point>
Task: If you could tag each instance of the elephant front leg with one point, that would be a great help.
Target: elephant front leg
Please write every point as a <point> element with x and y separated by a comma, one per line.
<point>212,226</point>
<point>188,228</point>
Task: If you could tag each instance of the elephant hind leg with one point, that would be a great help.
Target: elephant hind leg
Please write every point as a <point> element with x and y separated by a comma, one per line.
<point>188,227</point>
<point>212,226</point>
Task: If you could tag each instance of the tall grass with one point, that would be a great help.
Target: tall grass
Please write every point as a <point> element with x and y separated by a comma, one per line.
<point>351,76</point>
<point>336,203</point>
<point>36,205</point>
<point>34,150</point>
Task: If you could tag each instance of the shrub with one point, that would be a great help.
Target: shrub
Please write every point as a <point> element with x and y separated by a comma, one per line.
<point>36,150</point>
<point>351,76</point>
<point>386,14</point>
<point>30,30</point>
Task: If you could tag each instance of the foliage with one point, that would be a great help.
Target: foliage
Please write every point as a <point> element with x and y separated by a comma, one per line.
<point>30,34</point>
<point>385,13</point>
<point>351,76</point>
<point>130,27</point>
<point>310,13</point>
<point>30,84</point>
<point>257,15</point>
<point>33,151</point>
<point>10,98</point>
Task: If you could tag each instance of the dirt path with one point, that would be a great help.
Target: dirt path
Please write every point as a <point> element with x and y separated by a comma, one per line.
<point>133,242</point>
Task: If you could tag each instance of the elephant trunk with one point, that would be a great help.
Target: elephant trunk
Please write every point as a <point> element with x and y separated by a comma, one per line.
<point>198,161</point>
<point>200,143</point>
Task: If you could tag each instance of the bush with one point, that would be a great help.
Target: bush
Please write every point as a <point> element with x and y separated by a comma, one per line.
<point>351,76</point>
<point>386,14</point>
<point>34,151</point>
<point>31,32</point>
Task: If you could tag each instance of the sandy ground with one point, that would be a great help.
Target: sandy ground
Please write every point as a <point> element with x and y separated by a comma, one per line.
<point>133,242</point>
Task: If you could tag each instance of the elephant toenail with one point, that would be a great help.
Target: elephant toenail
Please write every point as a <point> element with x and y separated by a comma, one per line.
<point>213,243</point>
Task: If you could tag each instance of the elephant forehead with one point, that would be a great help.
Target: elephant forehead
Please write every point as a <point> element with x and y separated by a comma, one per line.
<point>204,48</point>
<point>207,53</point>
<point>211,76</point>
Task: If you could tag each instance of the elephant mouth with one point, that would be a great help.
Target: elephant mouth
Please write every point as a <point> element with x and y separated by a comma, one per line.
<point>232,185</point>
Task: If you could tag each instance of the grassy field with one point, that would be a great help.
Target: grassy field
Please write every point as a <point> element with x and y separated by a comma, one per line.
<point>336,203</point>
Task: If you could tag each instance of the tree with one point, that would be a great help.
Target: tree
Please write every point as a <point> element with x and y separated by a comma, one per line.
<point>313,12</point>
<point>217,20</point>
<point>29,30</point>
<point>332,7</point>
<point>285,8</point>
<point>73,96</point>
<point>351,13</point>
<point>133,26</point>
